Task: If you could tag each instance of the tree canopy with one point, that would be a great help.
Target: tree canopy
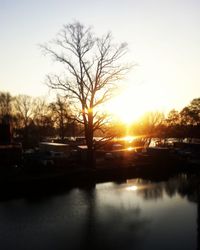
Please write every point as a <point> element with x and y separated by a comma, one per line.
<point>92,70</point>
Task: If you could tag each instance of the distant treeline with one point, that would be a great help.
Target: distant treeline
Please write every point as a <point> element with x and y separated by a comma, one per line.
<point>34,119</point>
<point>183,124</point>
<point>177,124</point>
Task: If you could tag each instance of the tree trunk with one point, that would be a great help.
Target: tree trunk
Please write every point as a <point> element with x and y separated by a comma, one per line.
<point>90,158</point>
<point>89,141</point>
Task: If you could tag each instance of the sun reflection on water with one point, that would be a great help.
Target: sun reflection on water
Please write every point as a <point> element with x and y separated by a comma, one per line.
<point>130,148</point>
<point>132,188</point>
<point>128,138</point>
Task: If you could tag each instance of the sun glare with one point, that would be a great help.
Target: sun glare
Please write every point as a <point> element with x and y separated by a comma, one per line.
<point>132,188</point>
<point>128,138</point>
<point>134,101</point>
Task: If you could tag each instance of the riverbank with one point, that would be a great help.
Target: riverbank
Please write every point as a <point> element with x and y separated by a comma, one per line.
<point>22,183</point>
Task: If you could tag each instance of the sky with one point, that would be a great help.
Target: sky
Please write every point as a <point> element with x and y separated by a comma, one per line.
<point>163,39</point>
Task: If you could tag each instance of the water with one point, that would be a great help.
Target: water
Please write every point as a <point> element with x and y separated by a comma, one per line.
<point>136,214</point>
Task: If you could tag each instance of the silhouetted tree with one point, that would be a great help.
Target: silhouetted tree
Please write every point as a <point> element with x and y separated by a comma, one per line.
<point>60,114</point>
<point>24,108</point>
<point>150,126</point>
<point>39,110</point>
<point>92,69</point>
<point>173,118</point>
<point>190,115</point>
<point>42,118</point>
<point>173,127</point>
<point>5,104</point>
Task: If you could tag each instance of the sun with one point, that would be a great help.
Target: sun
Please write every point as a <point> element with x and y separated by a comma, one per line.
<point>124,108</point>
<point>127,107</point>
<point>134,101</point>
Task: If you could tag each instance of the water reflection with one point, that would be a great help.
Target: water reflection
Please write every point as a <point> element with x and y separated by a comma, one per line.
<point>132,188</point>
<point>111,224</point>
<point>136,214</point>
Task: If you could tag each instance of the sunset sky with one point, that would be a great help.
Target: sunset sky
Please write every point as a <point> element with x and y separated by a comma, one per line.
<point>163,38</point>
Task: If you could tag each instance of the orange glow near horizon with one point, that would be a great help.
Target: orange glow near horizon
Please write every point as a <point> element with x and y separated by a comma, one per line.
<point>132,188</point>
<point>134,101</point>
<point>130,148</point>
<point>128,138</point>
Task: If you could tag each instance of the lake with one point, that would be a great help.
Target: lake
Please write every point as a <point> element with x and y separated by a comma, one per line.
<point>135,214</point>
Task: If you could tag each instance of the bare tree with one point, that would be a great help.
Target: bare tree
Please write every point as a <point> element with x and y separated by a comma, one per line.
<point>60,114</point>
<point>24,108</point>
<point>149,125</point>
<point>40,111</point>
<point>93,67</point>
<point>5,104</point>
<point>5,117</point>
